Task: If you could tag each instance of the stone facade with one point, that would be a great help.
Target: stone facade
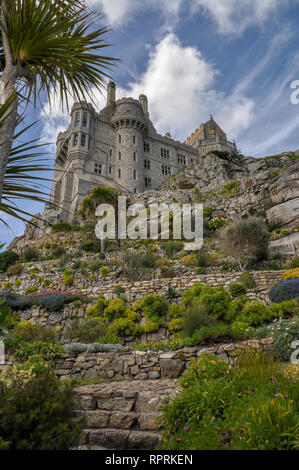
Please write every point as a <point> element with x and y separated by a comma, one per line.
<point>119,147</point>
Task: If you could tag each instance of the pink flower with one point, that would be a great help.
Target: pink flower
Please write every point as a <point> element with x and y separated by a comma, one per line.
<point>252,389</point>
<point>178,439</point>
<point>286,396</point>
<point>277,395</point>
<point>186,428</point>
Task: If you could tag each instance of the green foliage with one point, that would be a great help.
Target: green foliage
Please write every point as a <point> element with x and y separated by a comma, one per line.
<point>87,331</point>
<point>217,223</point>
<point>170,293</point>
<point>236,289</point>
<point>247,280</point>
<point>97,310</point>
<point>104,271</point>
<point>7,258</point>
<point>44,349</point>
<point>235,308</point>
<point>7,319</point>
<point>61,227</point>
<point>175,311</point>
<point>176,324</point>
<point>15,269</point>
<point>30,254</point>
<point>30,333</point>
<point>68,280</point>
<point>152,305</point>
<point>90,246</point>
<point>118,290</point>
<point>251,407</point>
<point>254,314</point>
<point>126,326</point>
<point>58,252</point>
<point>230,189</point>
<point>172,247</point>
<point>195,317</point>
<point>38,415</point>
<point>207,366</point>
<point>207,212</point>
<point>31,290</point>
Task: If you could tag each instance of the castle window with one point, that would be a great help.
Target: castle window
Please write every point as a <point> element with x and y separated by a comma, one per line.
<point>134,174</point>
<point>98,168</point>
<point>165,153</point>
<point>119,173</point>
<point>119,155</point>
<point>119,138</point>
<point>110,170</point>
<point>147,164</point>
<point>84,120</point>
<point>77,119</point>
<point>181,159</point>
<point>83,140</point>
<point>134,156</point>
<point>166,170</point>
<point>146,147</point>
<point>110,152</point>
<point>147,182</point>
<point>134,139</point>
<point>75,140</point>
<point>135,190</point>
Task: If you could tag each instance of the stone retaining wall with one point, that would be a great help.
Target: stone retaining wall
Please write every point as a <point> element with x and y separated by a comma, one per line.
<point>141,365</point>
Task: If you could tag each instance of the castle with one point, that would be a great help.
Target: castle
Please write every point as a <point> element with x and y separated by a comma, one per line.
<point>120,147</point>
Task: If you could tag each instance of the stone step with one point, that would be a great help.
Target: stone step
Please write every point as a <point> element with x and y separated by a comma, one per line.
<point>122,415</point>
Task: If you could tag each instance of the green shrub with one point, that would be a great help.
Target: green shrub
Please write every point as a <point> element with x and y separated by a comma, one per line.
<point>58,252</point>
<point>7,258</point>
<point>235,308</point>
<point>97,310</point>
<point>214,299</point>
<point>38,415</point>
<point>118,290</point>
<point>230,189</point>
<point>171,293</point>
<point>90,246</point>
<point>247,280</point>
<point>254,314</point>
<point>44,349</point>
<point>176,324</point>
<point>30,254</point>
<point>116,308</point>
<point>61,227</point>
<point>207,366</point>
<point>172,247</point>
<point>152,305</point>
<point>31,290</point>
<point>46,282</point>
<point>86,331</point>
<point>217,223</point>
<point>15,269</point>
<point>207,212</point>
<point>17,283</point>
<point>236,289</point>
<point>68,280</point>
<point>195,317</point>
<point>104,270</point>
<point>126,326</point>
<point>175,311</point>
<point>30,333</point>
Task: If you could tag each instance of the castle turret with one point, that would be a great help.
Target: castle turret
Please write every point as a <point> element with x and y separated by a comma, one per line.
<point>111,93</point>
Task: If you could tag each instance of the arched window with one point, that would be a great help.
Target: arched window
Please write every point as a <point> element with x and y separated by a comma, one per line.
<point>77,119</point>
<point>84,120</point>
<point>83,140</point>
<point>75,140</point>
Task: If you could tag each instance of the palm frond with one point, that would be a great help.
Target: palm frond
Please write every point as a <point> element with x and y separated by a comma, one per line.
<point>52,40</point>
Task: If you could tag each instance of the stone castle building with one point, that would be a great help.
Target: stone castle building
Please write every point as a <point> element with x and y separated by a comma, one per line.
<point>120,147</point>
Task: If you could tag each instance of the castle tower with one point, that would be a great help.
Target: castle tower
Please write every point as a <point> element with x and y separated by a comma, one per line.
<point>129,123</point>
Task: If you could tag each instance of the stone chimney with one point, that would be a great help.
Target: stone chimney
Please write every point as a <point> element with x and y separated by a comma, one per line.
<point>111,93</point>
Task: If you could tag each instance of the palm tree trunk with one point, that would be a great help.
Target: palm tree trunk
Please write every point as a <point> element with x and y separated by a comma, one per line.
<point>7,90</point>
<point>7,129</point>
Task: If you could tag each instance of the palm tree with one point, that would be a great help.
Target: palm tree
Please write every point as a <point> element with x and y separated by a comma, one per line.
<point>99,195</point>
<point>46,45</point>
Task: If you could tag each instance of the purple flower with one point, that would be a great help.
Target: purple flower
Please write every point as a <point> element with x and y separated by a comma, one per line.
<point>286,396</point>
<point>186,428</point>
<point>178,439</point>
<point>252,389</point>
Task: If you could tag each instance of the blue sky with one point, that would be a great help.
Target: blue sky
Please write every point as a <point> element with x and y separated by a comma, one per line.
<point>235,59</point>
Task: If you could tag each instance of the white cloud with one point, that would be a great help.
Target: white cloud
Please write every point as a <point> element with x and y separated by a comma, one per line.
<point>235,16</point>
<point>122,11</point>
<point>232,16</point>
<point>180,83</point>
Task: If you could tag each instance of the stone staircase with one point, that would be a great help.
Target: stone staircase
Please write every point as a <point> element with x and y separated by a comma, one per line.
<point>122,415</point>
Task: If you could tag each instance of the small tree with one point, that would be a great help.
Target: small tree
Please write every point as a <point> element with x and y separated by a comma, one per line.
<point>245,239</point>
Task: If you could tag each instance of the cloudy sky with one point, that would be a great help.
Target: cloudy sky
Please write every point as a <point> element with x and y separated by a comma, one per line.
<point>235,59</point>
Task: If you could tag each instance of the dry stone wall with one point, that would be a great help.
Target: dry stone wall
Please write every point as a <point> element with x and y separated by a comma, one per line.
<point>147,365</point>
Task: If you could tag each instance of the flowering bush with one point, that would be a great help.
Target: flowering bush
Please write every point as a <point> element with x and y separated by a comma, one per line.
<point>284,331</point>
<point>290,274</point>
<point>285,290</point>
